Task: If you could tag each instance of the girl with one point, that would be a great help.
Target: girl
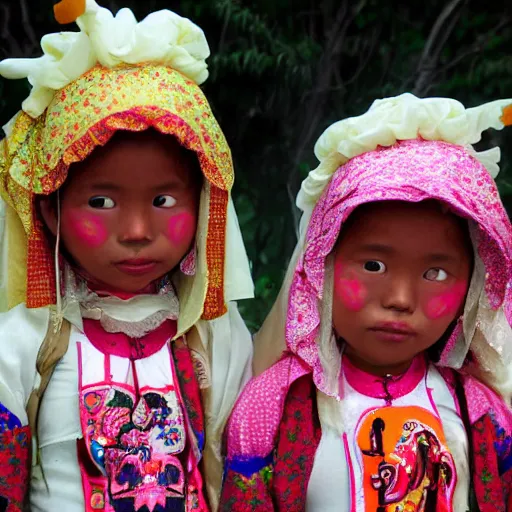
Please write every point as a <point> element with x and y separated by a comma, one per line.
<point>392,331</point>
<point>120,253</point>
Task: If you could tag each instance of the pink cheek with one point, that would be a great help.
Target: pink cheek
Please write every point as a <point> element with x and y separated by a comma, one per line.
<point>447,303</point>
<point>181,228</point>
<point>90,229</point>
<point>350,292</point>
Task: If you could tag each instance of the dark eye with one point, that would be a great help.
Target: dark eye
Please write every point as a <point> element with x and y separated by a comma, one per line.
<point>164,201</point>
<point>436,274</point>
<point>101,203</point>
<point>375,267</point>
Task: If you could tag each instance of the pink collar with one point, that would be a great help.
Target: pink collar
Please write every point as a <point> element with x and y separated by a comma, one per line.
<point>388,388</point>
<point>121,345</point>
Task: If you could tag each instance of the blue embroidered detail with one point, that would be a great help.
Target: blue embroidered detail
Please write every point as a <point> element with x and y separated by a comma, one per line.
<point>8,421</point>
<point>249,466</point>
<point>503,447</point>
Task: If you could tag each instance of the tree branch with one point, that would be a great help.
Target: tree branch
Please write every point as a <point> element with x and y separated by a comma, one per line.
<point>438,26</point>
<point>436,40</point>
<point>224,27</point>
<point>476,47</point>
<point>29,30</point>
<point>14,49</point>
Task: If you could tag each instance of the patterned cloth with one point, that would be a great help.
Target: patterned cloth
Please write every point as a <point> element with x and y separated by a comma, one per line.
<point>15,449</point>
<point>281,485</point>
<point>15,457</point>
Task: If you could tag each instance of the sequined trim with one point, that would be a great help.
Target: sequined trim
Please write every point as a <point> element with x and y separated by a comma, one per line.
<point>214,305</point>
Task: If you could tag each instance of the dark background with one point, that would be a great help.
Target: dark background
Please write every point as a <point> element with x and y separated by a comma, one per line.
<point>282,71</point>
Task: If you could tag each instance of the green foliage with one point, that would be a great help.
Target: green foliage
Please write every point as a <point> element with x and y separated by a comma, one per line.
<point>281,72</point>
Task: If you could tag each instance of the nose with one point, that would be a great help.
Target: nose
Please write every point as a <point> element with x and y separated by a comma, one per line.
<point>135,227</point>
<point>400,295</point>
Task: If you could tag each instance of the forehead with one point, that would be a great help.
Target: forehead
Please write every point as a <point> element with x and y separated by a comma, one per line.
<point>421,226</point>
<point>140,158</point>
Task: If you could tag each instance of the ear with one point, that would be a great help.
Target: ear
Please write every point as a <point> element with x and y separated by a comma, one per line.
<point>49,214</point>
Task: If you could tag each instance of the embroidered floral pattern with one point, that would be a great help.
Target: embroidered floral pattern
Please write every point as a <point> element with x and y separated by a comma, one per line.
<point>491,489</point>
<point>15,451</point>
<point>299,436</point>
<point>405,461</point>
<point>191,394</point>
<point>8,420</point>
<point>136,447</point>
<point>190,388</point>
<point>87,112</point>
<point>247,494</point>
<point>503,447</point>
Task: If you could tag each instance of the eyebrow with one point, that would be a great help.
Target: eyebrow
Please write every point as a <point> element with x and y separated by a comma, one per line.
<point>112,187</point>
<point>105,186</point>
<point>380,248</point>
<point>171,185</point>
<point>435,257</point>
<point>441,257</point>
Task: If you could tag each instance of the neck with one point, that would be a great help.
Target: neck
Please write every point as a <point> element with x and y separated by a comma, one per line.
<point>377,370</point>
<point>104,290</point>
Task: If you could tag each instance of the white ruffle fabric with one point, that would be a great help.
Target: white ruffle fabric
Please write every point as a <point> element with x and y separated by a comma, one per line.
<point>403,117</point>
<point>163,37</point>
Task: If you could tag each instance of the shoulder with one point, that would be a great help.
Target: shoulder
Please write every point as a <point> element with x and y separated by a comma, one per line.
<point>482,401</point>
<point>255,420</point>
<point>23,330</point>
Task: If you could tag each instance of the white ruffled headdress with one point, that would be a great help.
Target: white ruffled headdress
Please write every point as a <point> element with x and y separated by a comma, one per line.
<point>403,117</point>
<point>163,37</point>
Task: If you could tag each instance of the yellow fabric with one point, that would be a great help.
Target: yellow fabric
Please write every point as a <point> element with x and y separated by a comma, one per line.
<point>62,135</point>
<point>191,289</point>
<point>17,258</point>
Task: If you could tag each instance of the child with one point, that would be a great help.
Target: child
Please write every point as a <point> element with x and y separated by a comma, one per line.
<point>392,332</point>
<point>120,249</point>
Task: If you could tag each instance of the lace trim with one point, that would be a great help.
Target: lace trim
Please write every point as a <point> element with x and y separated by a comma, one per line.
<point>166,306</point>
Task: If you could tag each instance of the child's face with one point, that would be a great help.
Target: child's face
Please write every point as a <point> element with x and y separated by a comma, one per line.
<point>129,211</point>
<point>400,278</point>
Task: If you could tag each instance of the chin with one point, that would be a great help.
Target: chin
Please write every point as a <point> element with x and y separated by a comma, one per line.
<point>124,286</point>
<point>135,284</point>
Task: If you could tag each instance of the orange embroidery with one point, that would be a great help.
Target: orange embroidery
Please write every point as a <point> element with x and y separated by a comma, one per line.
<point>406,464</point>
<point>215,249</point>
